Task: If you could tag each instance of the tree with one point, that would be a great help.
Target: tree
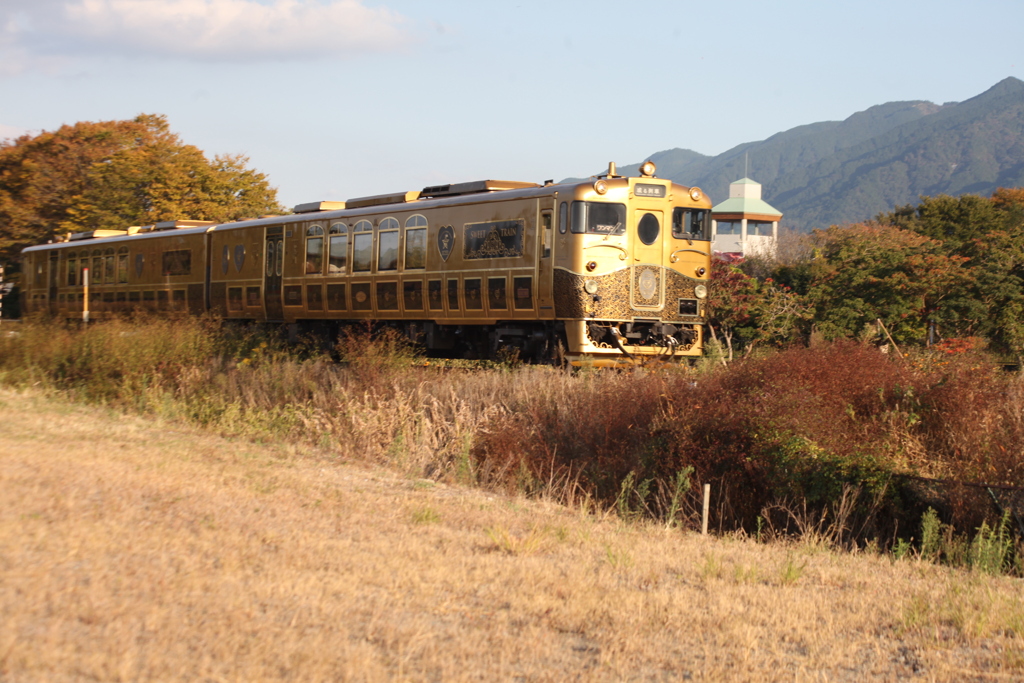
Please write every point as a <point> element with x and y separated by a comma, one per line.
<point>867,272</point>
<point>114,174</point>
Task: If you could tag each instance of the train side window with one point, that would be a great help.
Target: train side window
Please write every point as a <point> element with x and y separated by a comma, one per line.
<point>474,302</point>
<point>338,259</point>
<point>177,262</point>
<point>497,296</point>
<point>563,218</point>
<point>387,245</point>
<point>314,250</point>
<point>97,267</point>
<point>545,222</point>
<point>434,300</point>
<point>122,266</point>
<point>108,272</point>
<point>453,295</point>
<point>72,269</point>
<point>416,242</point>
<point>523,292</point>
<point>362,246</point>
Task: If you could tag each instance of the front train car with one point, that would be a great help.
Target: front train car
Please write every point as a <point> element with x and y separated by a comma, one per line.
<point>632,263</point>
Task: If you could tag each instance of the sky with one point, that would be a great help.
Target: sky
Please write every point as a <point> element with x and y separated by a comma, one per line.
<point>336,99</point>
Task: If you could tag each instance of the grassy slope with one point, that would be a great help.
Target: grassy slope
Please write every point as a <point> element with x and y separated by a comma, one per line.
<point>138,551</point>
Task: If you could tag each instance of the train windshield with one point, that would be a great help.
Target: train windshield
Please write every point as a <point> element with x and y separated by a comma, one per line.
<point>691,224</point>
<point>598,218</point>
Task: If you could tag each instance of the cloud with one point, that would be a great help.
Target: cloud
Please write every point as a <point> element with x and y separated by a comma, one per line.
<point>199,30</point>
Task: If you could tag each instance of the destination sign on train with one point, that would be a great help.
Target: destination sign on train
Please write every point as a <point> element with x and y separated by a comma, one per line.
<point>648,190</point>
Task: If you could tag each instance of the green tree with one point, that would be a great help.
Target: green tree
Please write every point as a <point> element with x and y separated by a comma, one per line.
<point>867,272</point>
<point>113,174</point>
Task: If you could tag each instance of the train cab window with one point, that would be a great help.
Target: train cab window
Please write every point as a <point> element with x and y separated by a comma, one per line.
<point>72,269</point>
<point>690,224</point>
<point>598,218</point>
<point>362,246</point>
<point>416,242</point>
<point>387,245</point>
<point>122,265</point>
<point>563,218</point>
<point>314,250</point>
<point>337,262</point>
<point>648,229</point>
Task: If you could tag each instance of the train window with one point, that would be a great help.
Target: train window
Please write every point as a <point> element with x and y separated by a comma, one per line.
<point>412,295</point>
<point>523,292</point>
<point>361,297</point>
<point>235,299</point>
<point>336,297</point>
<point>416,221</point>
<point>271,257</point>
<point>598,218</point>
<point>563,217</point>
<point>161,299</point>
<point>416,248</point>
<point>729,227</point>
<point>177,262</point>
<point>279,261</point>
<point>72,269</point>
<point>497,298</point>
<point>434,295</point>
<point>239,257</point>
<point>362,247</point>
<point>387,296</point>
<point>472,294</point>
<point>293,295</point>
<point>134,297</point>
<point>315,297</point>
<point>252,297</point>
<point>109,275</point>
<point>122,265</point>
<point>545,222</point>
<point>178,299</point>
<point>225,259</point>
<point>338,259</point>
<point>648,229</point>
<point>96,274</point>
<point>314,250</point>
<point>691,224</point>
<point>387,245</point>
<point>453,295</point>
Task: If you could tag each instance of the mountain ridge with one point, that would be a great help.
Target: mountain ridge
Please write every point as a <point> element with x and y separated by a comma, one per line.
<point>835,172</point>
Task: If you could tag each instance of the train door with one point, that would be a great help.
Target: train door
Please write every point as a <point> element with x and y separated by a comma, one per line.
<point>273,265</point>
<point>647,289</point>
<point>545,258</point>
<point>53,281</point>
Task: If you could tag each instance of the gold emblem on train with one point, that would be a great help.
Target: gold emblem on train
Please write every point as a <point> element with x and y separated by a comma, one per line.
<point>648,284</point>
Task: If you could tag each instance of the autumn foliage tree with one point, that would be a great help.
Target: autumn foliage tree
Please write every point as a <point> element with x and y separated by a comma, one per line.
<point>113,174</point>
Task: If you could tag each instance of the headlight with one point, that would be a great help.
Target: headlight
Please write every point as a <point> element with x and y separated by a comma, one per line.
<point>700,291</point>
<point>590,286</point>
<point>695,194</point>
<point>600,187</point>
<point>647,169</point>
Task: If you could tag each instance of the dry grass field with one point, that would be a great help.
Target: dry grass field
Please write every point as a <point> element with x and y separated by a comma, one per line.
<point>132,550</point>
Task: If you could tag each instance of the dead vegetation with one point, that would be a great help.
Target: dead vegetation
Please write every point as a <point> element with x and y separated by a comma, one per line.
<point>144,550</point>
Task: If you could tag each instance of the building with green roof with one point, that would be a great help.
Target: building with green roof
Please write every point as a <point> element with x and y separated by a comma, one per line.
<point>744,224</point>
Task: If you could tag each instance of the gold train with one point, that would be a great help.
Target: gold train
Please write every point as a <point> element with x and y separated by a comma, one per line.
<point>609,271</point>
